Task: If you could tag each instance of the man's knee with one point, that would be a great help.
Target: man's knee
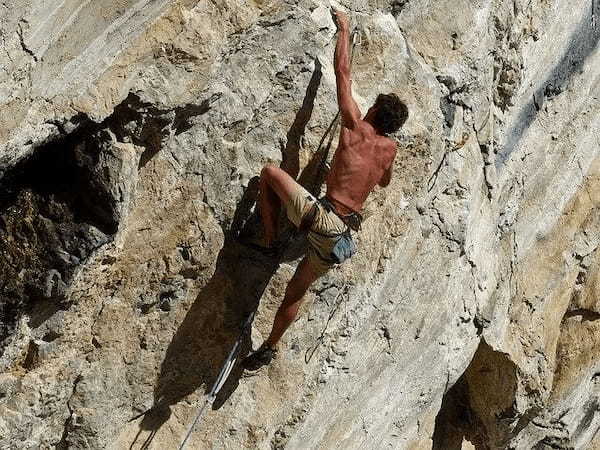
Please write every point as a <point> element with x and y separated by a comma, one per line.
<point>269,172</point>
<point>278,180</point>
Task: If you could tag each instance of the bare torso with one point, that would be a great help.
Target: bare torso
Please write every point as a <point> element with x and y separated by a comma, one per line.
<point>360,162</point>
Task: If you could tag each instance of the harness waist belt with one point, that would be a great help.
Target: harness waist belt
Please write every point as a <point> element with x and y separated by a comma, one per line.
<point>352,220</point>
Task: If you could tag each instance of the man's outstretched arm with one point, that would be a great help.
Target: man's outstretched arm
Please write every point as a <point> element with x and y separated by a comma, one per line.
<point>348,107</point>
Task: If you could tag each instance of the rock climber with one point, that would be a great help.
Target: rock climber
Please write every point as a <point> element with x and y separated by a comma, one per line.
<point>364,158</point>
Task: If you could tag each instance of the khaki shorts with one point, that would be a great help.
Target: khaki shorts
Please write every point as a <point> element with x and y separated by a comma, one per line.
<point>326,223</point>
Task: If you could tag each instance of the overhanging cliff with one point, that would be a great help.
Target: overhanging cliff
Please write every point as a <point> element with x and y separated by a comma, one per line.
<point>130,141</point>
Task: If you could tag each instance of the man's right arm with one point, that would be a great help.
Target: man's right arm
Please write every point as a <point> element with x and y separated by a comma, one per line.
<point>348,107</point>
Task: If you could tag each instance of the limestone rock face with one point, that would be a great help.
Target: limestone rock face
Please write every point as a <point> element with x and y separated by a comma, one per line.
<point>131,139</point>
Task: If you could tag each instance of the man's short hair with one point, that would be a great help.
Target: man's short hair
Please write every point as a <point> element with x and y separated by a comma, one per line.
<point>390,113</point>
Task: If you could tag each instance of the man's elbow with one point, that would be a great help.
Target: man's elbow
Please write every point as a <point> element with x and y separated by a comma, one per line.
<point>349,118</point>
<point>342,74</point>
<point>385,181</point>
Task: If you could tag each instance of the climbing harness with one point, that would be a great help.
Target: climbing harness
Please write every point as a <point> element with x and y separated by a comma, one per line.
<point>222,378</point>
<point>344,246</point>
<point>352,220</point>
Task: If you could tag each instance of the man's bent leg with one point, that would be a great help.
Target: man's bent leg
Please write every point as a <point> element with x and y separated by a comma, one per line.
<point>285,316</point>
<point>296,288</point>
<point>275,186</point>
<point>269,206</point>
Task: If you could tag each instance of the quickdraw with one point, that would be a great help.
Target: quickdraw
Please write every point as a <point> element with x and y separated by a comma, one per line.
<point>222,378</point>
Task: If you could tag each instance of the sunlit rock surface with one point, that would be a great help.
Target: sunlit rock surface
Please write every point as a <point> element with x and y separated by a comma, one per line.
<point>131,136</point>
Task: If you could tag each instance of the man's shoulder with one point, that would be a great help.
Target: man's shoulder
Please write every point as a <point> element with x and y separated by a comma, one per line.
<point>389,144</point>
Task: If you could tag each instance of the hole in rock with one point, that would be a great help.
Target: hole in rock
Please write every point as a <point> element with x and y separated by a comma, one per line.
<point>32,356</point>
<point>95,342</point>
<point>66,200</point>
<point>51,336</point>
<point>49,228</point>
<point>480,406</point>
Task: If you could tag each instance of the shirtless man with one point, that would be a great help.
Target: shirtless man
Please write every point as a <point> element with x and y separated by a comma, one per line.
<point>364,158</point>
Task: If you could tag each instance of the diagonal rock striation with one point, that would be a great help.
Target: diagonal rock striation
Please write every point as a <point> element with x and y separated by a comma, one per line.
<point>131,138</point>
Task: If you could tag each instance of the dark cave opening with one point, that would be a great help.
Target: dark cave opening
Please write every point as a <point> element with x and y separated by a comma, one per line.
<point>456,420</point>
<point>64,201</point>
<point>51,219</point>
<point>480,407</point>
<point>52,173</point>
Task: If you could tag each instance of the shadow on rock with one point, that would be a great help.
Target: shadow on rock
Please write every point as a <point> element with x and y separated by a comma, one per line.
<point>583,42</point>
<point>290,154</point>
<point>212,325</point>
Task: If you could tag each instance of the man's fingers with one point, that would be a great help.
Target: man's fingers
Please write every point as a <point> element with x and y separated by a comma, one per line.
<point>334,14</point>
<point>339,17</point>
<point>337,14</point>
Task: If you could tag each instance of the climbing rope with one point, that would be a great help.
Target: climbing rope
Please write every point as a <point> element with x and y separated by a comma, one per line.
<point>342,295</point>
<point>222,378</point>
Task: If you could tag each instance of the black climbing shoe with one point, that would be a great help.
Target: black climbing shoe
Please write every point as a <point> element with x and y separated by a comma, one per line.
<point>261,357</point>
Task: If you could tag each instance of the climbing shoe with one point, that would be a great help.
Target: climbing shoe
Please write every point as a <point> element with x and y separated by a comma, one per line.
<point>261,357</point>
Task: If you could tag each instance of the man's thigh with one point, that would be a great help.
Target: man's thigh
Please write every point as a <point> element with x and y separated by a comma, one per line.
<point>283,184</point>
<point>296,200</point>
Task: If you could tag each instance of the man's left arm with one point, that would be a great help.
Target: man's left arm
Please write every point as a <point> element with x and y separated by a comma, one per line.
<point>387,175</point>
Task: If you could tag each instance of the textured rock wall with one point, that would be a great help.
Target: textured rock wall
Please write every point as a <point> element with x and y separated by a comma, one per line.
<point>131,137</point>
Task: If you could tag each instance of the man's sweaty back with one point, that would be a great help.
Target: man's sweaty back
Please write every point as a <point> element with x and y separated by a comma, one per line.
<point>362,160</point>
